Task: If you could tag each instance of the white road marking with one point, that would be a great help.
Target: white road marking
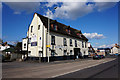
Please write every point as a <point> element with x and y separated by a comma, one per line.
<point>80,69</point>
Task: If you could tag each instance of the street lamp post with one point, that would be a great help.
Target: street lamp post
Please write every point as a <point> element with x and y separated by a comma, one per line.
<point>48,44</point>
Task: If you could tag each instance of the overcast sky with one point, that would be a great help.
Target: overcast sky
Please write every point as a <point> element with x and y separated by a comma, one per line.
<point>98,21</point>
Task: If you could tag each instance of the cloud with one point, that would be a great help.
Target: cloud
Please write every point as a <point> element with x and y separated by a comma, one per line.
<point>94,35</point>
<point>65,10</point>
<point>73,10</point>
<point>20,7</point>
<point>12,42</point>
<point>106,46</point>
<point>96,43</point>
<point>104,5</point>
<point>0,4</point>
<point>51,4</point>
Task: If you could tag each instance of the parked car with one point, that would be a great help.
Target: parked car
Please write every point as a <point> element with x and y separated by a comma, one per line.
<point>102,56</point>
<point>116,54</point>
<point>111,54</point>
<point>96,56</point>
<point>2,58</point>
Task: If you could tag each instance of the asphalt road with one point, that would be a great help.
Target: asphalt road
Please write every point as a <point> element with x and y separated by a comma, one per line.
<point>105,70</point>
<point>86,68</point>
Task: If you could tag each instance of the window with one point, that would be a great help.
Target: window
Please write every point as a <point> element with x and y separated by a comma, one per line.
<point>70,42</point>
<point>70,52</point>
<point>55,27</point>
<point>79,35</point>
<point>82,45</point>
<point>65,52</point>
<point>52,53</point>
<point>52,40</point>
<point>25,45</point>
<point>38,27</point>
<point>29,40</point>
<point>31,29</point>
<point>84,52</point>
<point>85,45</point>
<point>68,31</point>
<point>29,52</point>
<point>64,42</point>
<point>75,43</point>
<point>0,47</point>
<point>40,53</point>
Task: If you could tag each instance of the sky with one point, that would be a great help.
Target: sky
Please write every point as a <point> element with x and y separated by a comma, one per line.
<point>98,21</point>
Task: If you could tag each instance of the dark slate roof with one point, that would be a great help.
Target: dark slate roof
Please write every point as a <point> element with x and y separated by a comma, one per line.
<point>62,28</point>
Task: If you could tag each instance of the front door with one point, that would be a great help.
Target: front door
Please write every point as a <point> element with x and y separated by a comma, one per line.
<point>76,53</point>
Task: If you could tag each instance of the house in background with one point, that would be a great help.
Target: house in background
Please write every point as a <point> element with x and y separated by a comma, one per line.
<point>47,38</point>
<point>91,50</point>
<point>115,49</point>
<point>104,50</point>
<point>4,46</point>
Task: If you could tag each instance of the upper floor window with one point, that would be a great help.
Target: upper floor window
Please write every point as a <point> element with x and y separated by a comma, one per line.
<point>82,44</point>
<point>70,42</point>
<point>64,42</point>
<point>52,40</point>
<point>38,27</point>
<point>75,43</point>
<point>25,45</point>
<point>31,29</point>
<point>29,40</point>
<point>85,45</point>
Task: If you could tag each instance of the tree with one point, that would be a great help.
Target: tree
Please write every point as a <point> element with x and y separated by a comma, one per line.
<point>1,41</point>
<point>18,47</point>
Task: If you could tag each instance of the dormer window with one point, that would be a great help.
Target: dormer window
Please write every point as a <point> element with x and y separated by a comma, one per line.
<point>79,35</point>
<point>68,31</point>
<point>54,26</point>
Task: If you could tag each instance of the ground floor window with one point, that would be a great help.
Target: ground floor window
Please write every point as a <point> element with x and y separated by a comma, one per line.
<point>84,52</point>
<point>65,52</point>
<point>70,52</point>
<point>52,52</point>
<point>29,52</point>
<point>40,54</point>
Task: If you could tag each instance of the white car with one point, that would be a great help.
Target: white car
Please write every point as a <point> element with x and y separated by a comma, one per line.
<point>111,53</point>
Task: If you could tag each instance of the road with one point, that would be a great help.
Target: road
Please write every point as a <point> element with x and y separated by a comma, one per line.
<point>106,70</point>
<point>86,68</point>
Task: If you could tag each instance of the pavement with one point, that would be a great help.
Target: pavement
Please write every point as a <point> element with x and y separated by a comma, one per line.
<point>58,69</point>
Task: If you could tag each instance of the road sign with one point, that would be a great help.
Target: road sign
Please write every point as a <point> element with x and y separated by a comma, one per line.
<point>47,45</point>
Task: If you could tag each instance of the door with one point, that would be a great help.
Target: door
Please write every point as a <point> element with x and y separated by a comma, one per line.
<point>76,53</point>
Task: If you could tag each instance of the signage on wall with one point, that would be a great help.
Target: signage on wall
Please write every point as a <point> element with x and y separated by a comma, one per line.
<point>47,45</point>
<point>34,38</point>
<point>33,43</point>
<point>59,46</point>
